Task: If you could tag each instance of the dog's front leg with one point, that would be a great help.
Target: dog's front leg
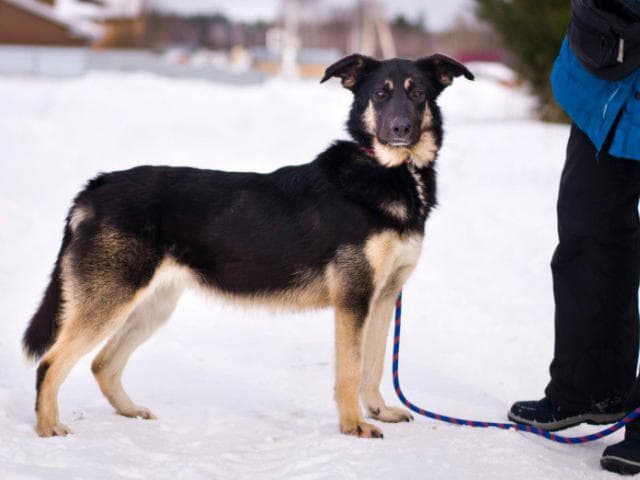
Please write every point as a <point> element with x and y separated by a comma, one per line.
<point>349,334</point>
<point>375,342</point>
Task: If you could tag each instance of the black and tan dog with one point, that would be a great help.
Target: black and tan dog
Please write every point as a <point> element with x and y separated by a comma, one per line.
<point>344,231</point>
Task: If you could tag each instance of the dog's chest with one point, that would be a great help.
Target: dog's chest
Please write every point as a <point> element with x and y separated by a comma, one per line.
<point>392,257</point>
<point>411,203</point>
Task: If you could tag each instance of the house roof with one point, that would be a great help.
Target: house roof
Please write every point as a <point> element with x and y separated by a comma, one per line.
<point>99,10</point>
<point>78,28</point>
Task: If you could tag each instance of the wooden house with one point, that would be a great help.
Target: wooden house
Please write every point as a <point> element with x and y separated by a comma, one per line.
<point>37,22</point>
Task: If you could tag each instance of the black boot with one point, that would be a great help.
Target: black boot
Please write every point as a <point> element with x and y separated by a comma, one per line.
<point>545,414</point>
<point>623,457</point>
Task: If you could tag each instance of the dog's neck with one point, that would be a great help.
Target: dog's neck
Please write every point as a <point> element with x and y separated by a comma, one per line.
<point>414,169</point>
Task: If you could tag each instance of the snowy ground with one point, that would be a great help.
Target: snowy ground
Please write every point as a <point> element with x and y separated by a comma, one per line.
<point>245,394</point>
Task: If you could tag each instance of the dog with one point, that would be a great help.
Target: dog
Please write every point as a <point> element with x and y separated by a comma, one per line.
<point>344,231</point>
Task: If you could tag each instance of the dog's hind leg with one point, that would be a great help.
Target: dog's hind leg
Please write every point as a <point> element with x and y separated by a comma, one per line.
<point>375,342</point>
<point>109,364</point>
<point>104,274</point>
<point>82,329</point>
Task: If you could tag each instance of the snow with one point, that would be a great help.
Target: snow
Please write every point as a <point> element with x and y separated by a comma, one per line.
<point>493,70</point>
<point>248,394</point>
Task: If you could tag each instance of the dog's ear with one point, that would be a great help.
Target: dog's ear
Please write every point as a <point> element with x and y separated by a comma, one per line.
<point>443,69</point>
<point>351,69</point>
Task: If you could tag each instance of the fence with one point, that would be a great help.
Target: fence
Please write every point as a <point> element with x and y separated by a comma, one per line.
<point>76,61</point>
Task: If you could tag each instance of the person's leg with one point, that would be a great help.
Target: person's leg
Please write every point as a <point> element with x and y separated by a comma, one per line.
<point>596,268</point>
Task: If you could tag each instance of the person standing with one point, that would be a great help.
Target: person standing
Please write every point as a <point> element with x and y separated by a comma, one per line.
<point>596,265</point>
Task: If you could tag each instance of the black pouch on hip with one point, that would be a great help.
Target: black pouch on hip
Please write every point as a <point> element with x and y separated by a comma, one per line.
<point>605,36</point>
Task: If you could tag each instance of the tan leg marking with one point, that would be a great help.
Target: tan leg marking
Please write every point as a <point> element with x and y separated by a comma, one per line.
<point>375,344</point>
<point>76,339</point>
<point>109,364</point>
<point>94,307</point>
<point>392,258</point>
<point>348,374</point>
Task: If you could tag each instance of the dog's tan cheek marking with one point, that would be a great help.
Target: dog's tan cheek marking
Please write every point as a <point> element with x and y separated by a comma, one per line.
<point>427,118</point>
<point>369,119</point>
<point>426,150</point>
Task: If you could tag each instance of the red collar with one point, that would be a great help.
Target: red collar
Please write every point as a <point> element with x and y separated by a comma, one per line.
<point>369,151</point>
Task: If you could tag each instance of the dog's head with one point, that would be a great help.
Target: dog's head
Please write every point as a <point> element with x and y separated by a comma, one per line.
<point>394,109</point>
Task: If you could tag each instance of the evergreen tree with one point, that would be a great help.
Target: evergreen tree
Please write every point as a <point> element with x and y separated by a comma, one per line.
<point>532,32</point>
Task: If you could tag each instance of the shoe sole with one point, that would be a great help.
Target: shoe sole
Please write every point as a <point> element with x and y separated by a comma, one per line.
<point>620,465</point>
<point>590,418</point>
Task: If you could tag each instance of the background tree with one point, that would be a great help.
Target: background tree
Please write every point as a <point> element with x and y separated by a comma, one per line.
<point>532,32</point>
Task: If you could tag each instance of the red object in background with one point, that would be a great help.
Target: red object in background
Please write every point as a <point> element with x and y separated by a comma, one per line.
<point>466,56</point>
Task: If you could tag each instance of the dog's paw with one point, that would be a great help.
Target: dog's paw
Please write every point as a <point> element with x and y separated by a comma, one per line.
<point>390,414</point>
<point>138,412</point>
<point>56,430</point>
<point>360,429</point>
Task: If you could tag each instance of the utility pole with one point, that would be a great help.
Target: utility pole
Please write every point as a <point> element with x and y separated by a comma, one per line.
<point>371,30</point>
<point>290,41</point>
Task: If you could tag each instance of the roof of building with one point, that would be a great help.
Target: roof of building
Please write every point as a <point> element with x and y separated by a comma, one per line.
<point>99,9</point>
<point>77,27</point>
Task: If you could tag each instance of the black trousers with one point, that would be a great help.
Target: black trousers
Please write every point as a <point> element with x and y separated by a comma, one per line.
<point>596,269</point>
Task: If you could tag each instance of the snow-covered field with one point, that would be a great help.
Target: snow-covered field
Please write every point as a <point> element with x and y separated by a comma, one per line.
<point>248,394</point>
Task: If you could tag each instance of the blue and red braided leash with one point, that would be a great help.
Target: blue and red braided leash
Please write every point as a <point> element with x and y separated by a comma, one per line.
<point>473,423</point>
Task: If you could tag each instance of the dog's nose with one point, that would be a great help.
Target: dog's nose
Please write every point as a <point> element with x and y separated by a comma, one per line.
<point>401,127</point>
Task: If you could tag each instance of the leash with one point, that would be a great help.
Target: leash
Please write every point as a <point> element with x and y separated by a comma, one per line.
<point>474,423</point>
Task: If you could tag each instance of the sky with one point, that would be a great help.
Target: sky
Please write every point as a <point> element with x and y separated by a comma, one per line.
<point>439,14</point>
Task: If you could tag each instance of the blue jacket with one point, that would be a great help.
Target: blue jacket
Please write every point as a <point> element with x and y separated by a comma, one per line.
<point>594,104</point>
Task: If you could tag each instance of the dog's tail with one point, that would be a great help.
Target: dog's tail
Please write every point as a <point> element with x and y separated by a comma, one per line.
<point>43,328</point>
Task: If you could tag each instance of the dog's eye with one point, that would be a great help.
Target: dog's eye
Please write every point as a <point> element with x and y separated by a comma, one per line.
<point>417,94</point>
<point>380,94</point>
